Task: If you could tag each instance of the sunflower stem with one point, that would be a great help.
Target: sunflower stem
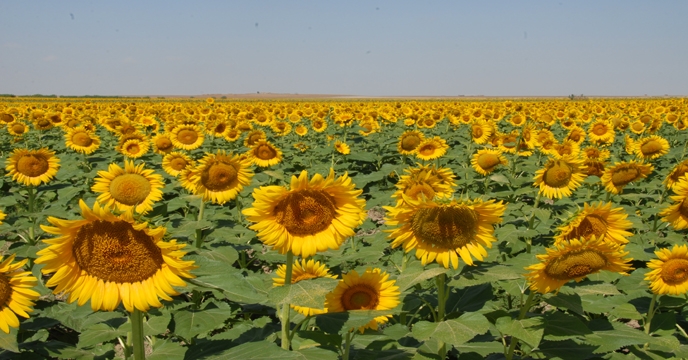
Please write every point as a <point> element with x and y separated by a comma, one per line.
<point>440,281</point>
<point>136,319</point>
<point>650,314</point>
<point>524,310</point>
<point>32,208</point>
<point>286,339</point>
<point>199,232</point>
<point>347,345</point>
<point>661,199</point>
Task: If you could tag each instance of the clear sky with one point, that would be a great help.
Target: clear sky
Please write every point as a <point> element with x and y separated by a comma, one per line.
<point>370,48</point>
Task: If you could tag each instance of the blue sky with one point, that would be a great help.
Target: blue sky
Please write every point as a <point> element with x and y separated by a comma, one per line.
<point>369,48</point>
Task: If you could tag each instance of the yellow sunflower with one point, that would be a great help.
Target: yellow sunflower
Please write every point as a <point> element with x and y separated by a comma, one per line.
<point>303,270</point>
<point>311,216</point>
<point>220,177</point>
<point>81,140</point>
<point>2,216</point>
<point>253,137</point>
<point>427,180</point>
<point>162,143</point>
<point>669,274</point>
<point>32,167</point>
<point>301,130</point>
<point>175,162</point>
<point>444,231</point>
<point>281,128</point>
<point>650,148</point>
<point>598,220</point>
<point>560,177</point>
<point>615,178</point>
<point>637,127</point>
<point>187,137</point>
<point>430,149</point>
<point>135,148</point>
<point>481,131</point>
<point>409,141</point>
<point>576,134</point>
<point>676,174</point>
<point>264,154</point>
<point>677,213</point>
<point>42,124</point>
<point>132,188</point>
<point>112,259</point>
<point>574,260</point>
<point>593,167</point>
<point>319,125</point>
<point>370,291</point>
<point>16,295</point>
<point>601,131</point>
<point>595,153</point>
<point>342,147</point>
<point>232,135</point>
<point>486,161</point>
<point>17,128</point>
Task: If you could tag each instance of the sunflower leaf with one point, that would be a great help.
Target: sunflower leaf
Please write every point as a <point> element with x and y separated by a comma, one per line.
<point>529,331</point>
<point>99,333</point>
<point>415,275</point>
<point>309,293</point>
<point>454,332</point>
<point>9,341</point>
<point>191,323</point>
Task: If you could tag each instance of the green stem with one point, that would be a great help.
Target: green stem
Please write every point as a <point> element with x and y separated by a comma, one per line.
<point>650,314</point>
<point>32,208</point>
<point>286,343</point>
<point>199,232</point>
<point>524,310</point>
<point>347,344</point>
<point>661,199</point>
<point>136,319</point>
<point>440,281</point>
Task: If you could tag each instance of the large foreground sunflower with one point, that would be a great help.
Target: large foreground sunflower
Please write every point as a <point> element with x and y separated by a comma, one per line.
<point>615,178</point>
<point>598,220</point>
<point>220,177</point>
<point>16,295</point>
<point>559,177</point>
<point>311,216</point>
<point>669,274</point>
<point>111,260</point>
<point>303,270</point>
<point>677,213</point>
<point>574,260</point>
<point>443,232</point>
<point>132,188</point>
<point>32,167</point>
<point>370,291</point>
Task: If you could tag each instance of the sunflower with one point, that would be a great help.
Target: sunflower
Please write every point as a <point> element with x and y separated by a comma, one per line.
<point>601,132</point>
<point>559,177</point>
<point>42,124</point>
<point>2,216</point>
<point>187,137</point>
<point>233,135</point>
<point>32,167</point>
<point>650,148</point>
<point>595,153</point>
<point>301,146</point>
<point>81,140</point>
<point>677,213</point>
<point>637,127</point>
<point>598,220</point>
<point>162,143</point>
<point>574,260</point>
<point>175,162</point>
<point>370,291</point>
<point>303,270</point>
<point>443,232</point>
<point>427,180</point>
<point>112,259</point>
<point>301,130</point>
<point>576,134</point>
<point>430,149</point>
<point>264,154</point>
<point>253,137</point>
<point>676,174</point>
<point>481,131</point>
<point>16,295</point>
<point>220,177</point>
<point>319,125</point>
<point>281,128</point>
<point>134,148</point>
<point>592,167</point>
<point>132,188</point>
<point>17,128</point>
<point>409,141</point>
<point>669,274</point>
<point>486,161</point>
<point>342,147</point>
<point>623,173</point>
<point>311,216</point>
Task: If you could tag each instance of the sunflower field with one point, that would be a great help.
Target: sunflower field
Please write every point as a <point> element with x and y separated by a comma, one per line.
<point>354,229</point>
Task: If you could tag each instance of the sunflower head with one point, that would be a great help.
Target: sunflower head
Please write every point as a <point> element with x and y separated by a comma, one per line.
<point>162,143</point>
<point>16,294</point>
<point>651,147</point>
<point>599,220</point>
<point>409,141</point>
<point>220,177</point>
<point>559,177</point>
<point>676,174</point>
<point>131,188</point>
<point>32,167</point>
<point>342,147</point>
<point>187,137</point>
<point>486,161</point>
<point>676,214</point>
<point>616,177</point>
<point>669,272</point>
<point>175,162</point>
<point>81,140</point>
<point>430,149</point>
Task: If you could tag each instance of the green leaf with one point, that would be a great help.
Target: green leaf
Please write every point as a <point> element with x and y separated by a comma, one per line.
<point>415,275</point>
<point>663,323</point>
<point>225,254</point>
<point>167,350</point>
<point>566,301</point>
<point>626,311</point>
<point>482,348</point>
<point>9,341</point>
<point>454,332</point>
<point>566,350</point>
<point>261,350</point>
<point>470,298</point>
<point>529,331</point>
<point>597,289</point>
<point>309,293</point>
<point>234,286</point>
<point>560,326</point>
<point>99,333</point>
<point>621,336</point>
<point>342,322</point>
<point>156,325</point>
<point>499,178</point>
<point>191,323</point>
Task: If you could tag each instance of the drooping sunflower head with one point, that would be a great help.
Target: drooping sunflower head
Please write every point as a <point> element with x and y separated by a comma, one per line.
<point>598,220</point>
<point>220,177</point>
<point>574,260</point>
<point>430,149</point>
<point>559,177</point>
<point>81,140</point>
<point>445,231</point>
<point>676,174</point>
<point>32,167</point>
<point>112,259</point>
<point>427,180</point>
<point>311,216</point>
<point>371,290</point>
<point>650,148</point>
<point>187,137</point>
<point>669,272</point>
<point>175,162</point>
<point>486,161</point>
<point>409,141</point>
<point>615,178</point>
<point>342,147</point>
<point>303,270</point>
<point>264,154</point>
<point>16,294</point>
<point>131,188</point>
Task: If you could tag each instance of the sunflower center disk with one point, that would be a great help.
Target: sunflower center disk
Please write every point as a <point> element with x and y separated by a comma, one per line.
<point>600,130</point>
<point>133,148</point>
<point>130,189</point>
<point>265,152</point>
<point>675,271</point>
<point>651,147</point>
<point>254,139</point>
<point>448,227</point>
<point>32,165</point>
<point>115,251</point>
<point>19,129</point>
<point>624,176</point>
<point>219,176</point>
<point>163,144</point>
<point>178,164</point>
<point>576,264</point>
<point>360,297</point>
<point>591,225</point>
<point>410,142</point>
<point>488,161</point>
<point>82,139</point>
<point>5,289</point>
<point>306,212</point>
<point>477,132</point>
<point>427,149</point>
<point>559,175</point>
<point>187,136</point>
